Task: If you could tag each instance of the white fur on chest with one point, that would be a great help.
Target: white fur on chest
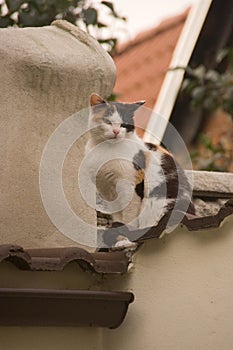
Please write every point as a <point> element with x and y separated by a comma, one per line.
<point>114,173</point>
<point>126,147</point>
<point>110,165</point>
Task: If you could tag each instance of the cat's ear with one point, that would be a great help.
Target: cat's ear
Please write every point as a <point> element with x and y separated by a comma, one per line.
<point>139,103</point>
<point>96,100</point>
<point>135,105</point>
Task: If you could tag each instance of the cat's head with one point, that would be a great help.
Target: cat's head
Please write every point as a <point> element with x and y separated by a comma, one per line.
<point>111,120</point>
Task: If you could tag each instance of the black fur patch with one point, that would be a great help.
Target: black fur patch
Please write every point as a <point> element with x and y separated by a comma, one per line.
<point>159,191</point>
<point>126,112</point>
<point>139,163</point>
<point>110,235</point>
<point>139,189</point>
<point>170,171</point>
<point>128,127</point>
<point>151,146</point>
<point>175,185</point>
<point>139,160</point>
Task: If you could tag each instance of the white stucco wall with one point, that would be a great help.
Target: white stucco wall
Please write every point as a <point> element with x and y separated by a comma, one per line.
<point>183,287</point>
<point>19,338</point>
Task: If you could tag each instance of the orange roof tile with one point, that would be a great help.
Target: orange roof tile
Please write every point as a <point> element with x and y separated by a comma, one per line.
<point>142,63</point>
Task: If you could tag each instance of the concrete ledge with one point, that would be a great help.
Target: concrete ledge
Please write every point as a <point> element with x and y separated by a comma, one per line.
<point>213,184</point>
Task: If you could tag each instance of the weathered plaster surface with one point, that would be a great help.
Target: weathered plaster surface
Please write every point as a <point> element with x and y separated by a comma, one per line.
<point>22,338</point>
<point>183,287</point>
<point>211,190</point>
<point>47,74</point>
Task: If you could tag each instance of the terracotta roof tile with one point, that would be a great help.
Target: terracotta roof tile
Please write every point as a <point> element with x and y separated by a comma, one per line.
<point>142,63</point>
<point>55,259</point>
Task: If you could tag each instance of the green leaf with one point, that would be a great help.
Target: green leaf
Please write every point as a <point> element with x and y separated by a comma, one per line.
<point>70,16</point>
<point>101,25</point>
<point>221,55</point>
<point>42,12</point>
<point>212,75</point>
<point>13,5</point>
<point>31,17</point>
<point>5,21</point>
<point>198,92</point>
<point>194,155</point>
<point>109,5</point>
<point>199,72</point>
<point>112,97</point>
<point>230,94</point>
<point>185,84</point>
<point>205,141</point>
<point>90,16</point>
<point>108,40</point>
<point>210,103</point>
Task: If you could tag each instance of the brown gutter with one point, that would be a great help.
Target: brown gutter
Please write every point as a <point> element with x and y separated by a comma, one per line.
<point>48,307</point>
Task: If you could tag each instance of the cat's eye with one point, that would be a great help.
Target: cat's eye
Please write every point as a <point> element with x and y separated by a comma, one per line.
<point>124,125</point>
<point>128,127</point>
<point>107,121</point>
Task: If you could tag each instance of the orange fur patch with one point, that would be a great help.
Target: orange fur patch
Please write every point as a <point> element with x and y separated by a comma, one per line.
<point>140,175</point>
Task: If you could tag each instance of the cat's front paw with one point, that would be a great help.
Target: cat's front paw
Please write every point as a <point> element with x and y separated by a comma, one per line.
<point>124,243</point>
<point>115,238</point>
<point>110,235</point>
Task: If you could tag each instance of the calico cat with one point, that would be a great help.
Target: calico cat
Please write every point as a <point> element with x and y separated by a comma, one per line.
<point>138,182</point>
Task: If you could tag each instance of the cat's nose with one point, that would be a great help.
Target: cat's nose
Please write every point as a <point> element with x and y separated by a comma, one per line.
<point>116,132</point>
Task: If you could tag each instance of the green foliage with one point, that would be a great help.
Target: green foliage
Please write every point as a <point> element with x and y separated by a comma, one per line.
<point>112,97</point>
<point>210,88</point>
<point>215,157</point>
<point>37,13</point>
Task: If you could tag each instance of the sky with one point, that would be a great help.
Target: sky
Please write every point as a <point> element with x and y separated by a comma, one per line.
<point>145,14</point>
